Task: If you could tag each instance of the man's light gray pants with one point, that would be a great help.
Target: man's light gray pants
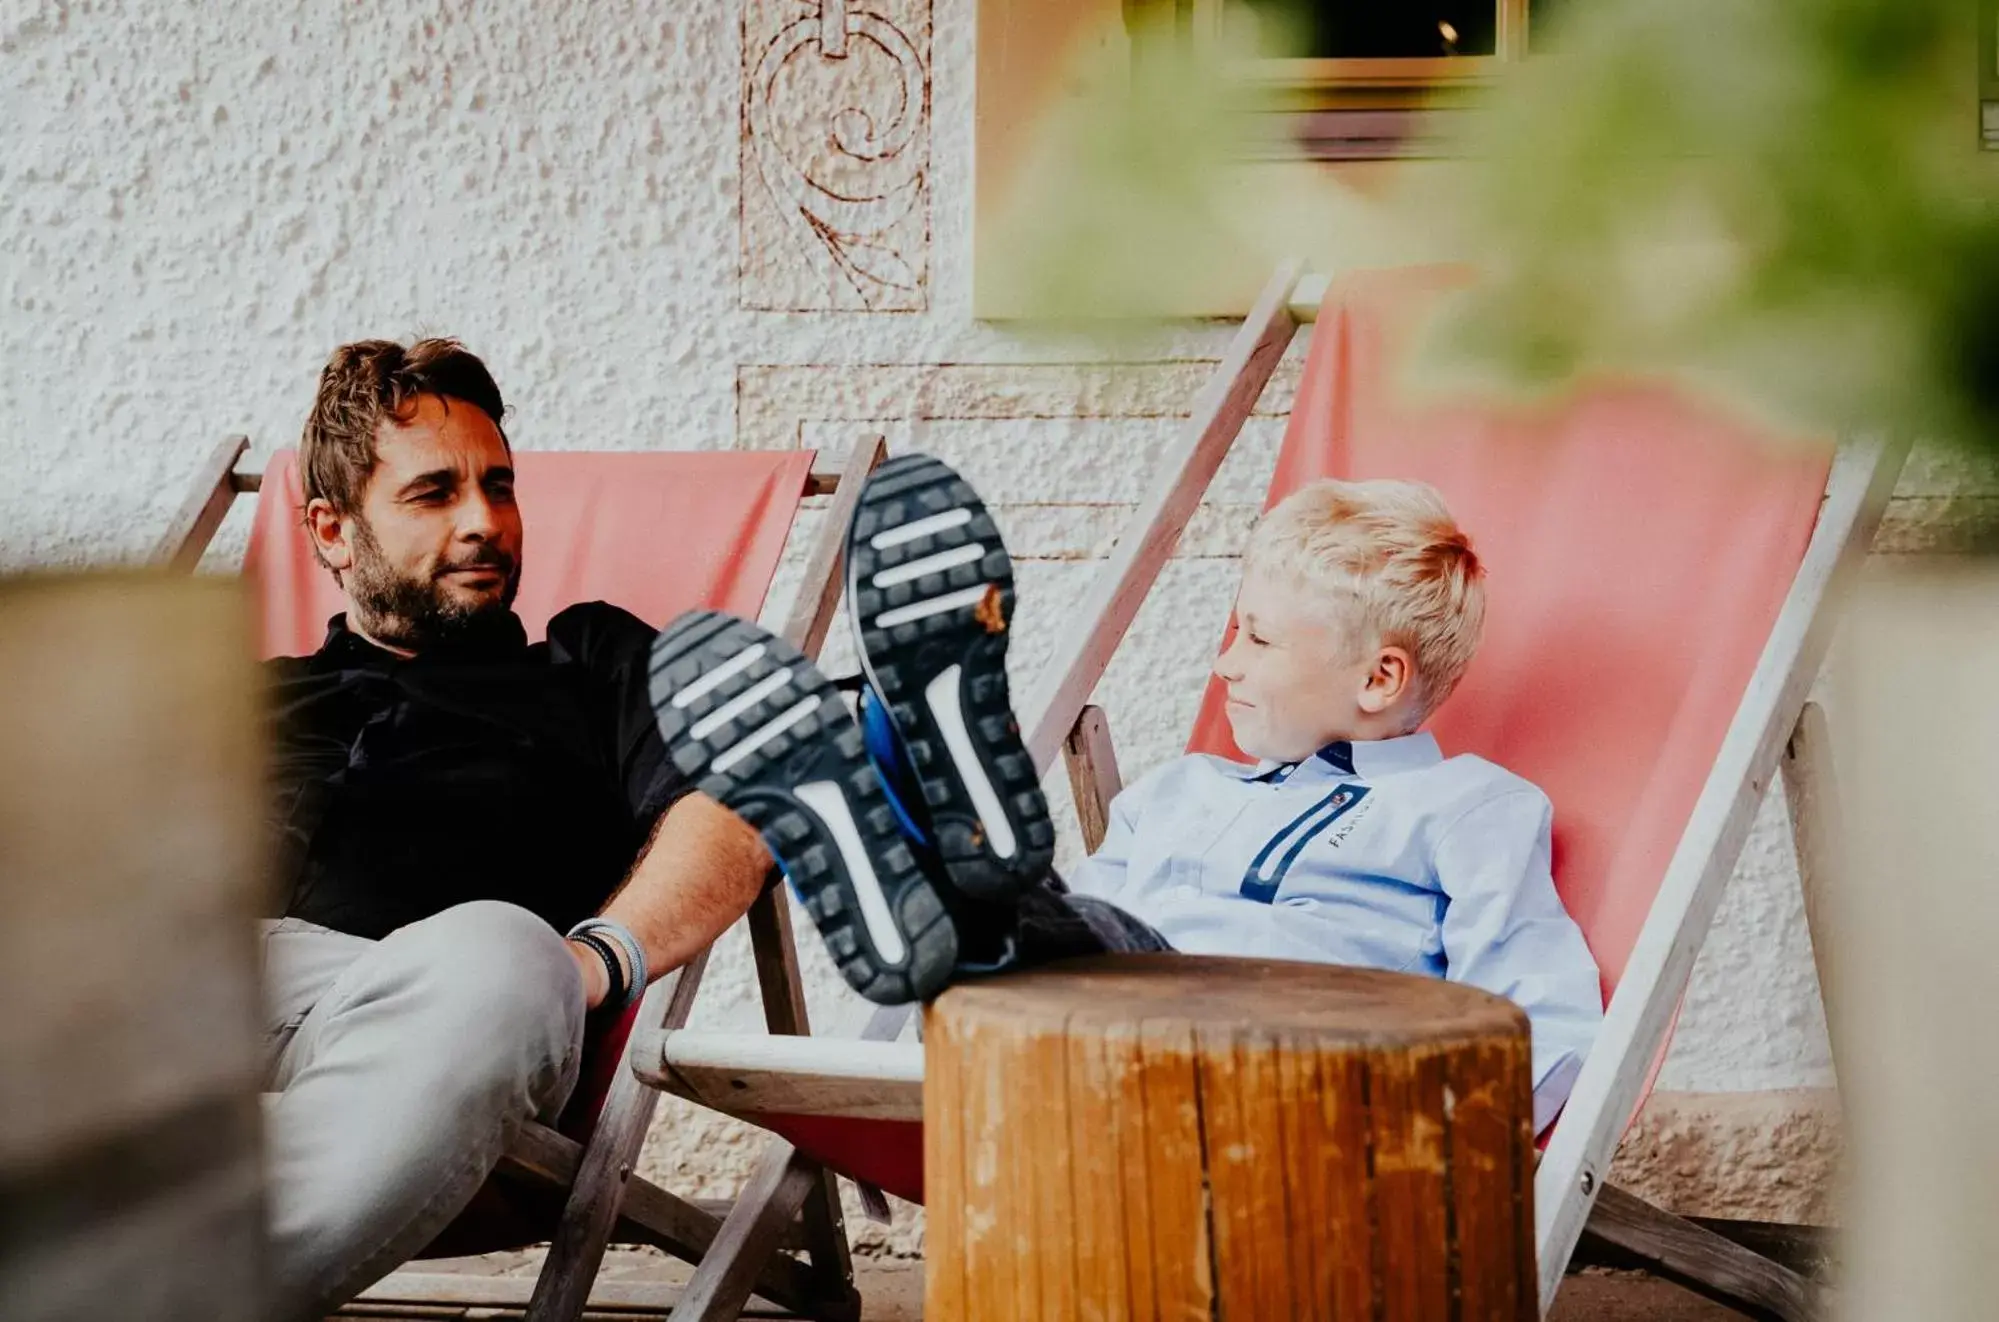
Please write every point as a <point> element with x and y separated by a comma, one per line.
<point>398,1071</point>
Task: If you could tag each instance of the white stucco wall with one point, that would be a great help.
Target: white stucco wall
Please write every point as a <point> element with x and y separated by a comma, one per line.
<point>198,201</point>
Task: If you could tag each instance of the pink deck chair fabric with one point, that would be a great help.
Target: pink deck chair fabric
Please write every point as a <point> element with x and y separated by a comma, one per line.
<point>656,532</point>
<point>1639,544</point>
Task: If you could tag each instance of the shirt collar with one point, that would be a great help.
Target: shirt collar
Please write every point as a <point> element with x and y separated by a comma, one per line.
<point>498,637</point>
<point>1370,759</point>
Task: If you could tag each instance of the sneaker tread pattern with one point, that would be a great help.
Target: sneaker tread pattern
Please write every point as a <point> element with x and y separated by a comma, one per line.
<point>904,656</point>
<point>824,745</point>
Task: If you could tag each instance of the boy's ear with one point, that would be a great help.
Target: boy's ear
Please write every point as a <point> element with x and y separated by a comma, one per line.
<point>1389,679</point>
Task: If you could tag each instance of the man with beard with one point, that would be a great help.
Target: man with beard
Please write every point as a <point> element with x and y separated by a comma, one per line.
<point>448,802</point>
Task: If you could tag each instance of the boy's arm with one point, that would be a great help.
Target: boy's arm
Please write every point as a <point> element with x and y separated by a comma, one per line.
<point>1505,931</point>
<point>1103,873</point>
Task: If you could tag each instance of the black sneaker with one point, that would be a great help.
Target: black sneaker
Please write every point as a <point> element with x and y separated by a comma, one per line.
<point>930,597</point>
<point>758,728</point>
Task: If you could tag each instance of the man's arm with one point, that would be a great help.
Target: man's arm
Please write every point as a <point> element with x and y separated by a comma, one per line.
<point>703,865</point>
<point>699,873</point>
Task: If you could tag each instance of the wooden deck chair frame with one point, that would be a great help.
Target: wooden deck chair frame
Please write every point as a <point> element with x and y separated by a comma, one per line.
<point>1775,731</point>
<point>789,1201</point>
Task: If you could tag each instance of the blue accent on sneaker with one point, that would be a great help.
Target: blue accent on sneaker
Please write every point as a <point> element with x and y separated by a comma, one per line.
<point>753,723</point>
<point>891,762</point>
<point>930,597</point>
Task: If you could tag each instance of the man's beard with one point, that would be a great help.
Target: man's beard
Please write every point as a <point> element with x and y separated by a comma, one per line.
<point>415,612</point>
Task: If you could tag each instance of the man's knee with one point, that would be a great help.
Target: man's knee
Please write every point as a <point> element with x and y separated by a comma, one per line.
<point>500,973</point>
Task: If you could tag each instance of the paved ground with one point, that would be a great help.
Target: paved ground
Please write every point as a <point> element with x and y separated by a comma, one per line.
<point>894,1292</point>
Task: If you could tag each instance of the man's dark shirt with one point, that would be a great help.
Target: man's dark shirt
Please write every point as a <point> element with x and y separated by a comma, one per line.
<point>482,769</point>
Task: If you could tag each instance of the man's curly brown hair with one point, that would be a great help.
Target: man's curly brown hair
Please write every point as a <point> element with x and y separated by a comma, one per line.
<point>368,381</point>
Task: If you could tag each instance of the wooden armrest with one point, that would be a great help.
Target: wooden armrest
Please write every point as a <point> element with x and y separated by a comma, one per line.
<point>1093,773</point>
<point>779,1075</point>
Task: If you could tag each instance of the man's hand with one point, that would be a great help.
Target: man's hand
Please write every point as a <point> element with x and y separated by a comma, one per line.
<point>699,873</point>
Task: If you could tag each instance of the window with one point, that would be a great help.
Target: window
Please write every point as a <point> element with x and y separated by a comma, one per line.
<point>1372,79</point>
<point>1345,30</point>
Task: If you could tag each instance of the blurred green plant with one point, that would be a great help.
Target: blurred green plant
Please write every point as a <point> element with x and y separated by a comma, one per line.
<point>1782,198</point>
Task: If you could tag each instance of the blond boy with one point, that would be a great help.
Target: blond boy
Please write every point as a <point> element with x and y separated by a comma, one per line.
<point>1352,840</point>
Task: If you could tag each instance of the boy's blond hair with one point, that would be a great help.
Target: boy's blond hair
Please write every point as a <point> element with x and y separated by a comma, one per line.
<point>1389,557</point>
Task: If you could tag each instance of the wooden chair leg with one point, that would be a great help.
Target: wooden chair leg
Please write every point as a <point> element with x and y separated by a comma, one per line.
<point>1704,1262</point>
<point>584,1229</point>
<point>648,1214</point>
<point>784,1013</point>
<point>1811,792</point>
<point>749,1238</point>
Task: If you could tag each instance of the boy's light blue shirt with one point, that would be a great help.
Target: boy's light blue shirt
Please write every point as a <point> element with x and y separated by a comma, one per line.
<point>1383,854</point>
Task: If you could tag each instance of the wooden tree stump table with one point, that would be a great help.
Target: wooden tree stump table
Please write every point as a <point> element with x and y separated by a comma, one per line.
<point>1176,1137</point>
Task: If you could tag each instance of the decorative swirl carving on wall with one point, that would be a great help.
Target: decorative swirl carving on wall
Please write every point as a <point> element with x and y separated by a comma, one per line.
<point>843,194</point>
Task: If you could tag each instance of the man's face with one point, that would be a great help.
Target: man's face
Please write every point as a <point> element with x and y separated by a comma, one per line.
<point>434,551</point>
<point>1296,681</point>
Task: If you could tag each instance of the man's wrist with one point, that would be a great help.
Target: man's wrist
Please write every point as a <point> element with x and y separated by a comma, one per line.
<point>624,958</point>
<point>596,978</point>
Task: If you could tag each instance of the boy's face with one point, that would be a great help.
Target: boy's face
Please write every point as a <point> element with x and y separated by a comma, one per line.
<point>1297,680</point>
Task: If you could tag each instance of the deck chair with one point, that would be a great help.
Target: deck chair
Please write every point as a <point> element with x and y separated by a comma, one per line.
<point>1684,570</point>
<point>658,533</point>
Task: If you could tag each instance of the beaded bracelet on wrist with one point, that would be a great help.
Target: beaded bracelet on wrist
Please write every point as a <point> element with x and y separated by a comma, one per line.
<point>617,994</point>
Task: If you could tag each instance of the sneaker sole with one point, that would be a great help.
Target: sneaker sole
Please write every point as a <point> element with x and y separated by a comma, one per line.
<point>755,726</point>
<point>930,590</point>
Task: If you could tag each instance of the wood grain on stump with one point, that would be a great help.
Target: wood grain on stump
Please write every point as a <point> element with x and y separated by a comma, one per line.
<point>1176,1137</point>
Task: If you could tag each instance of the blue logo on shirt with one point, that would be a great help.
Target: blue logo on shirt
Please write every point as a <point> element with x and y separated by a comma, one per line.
<point>1267,869</point>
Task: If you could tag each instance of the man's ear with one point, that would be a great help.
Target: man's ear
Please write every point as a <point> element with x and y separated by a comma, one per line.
<point>331,533</point>
<point>1389,679</point>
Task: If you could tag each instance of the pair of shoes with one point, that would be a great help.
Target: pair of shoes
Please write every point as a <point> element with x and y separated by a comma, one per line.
<point>893,835</point>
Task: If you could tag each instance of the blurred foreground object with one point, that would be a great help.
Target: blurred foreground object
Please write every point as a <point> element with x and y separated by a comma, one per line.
<point>1786,200</point>
<point>1915,979</point>
<point>1785,203</point>
<point>129,888</point>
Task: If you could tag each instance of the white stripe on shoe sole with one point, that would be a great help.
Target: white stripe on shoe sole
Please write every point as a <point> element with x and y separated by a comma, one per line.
<point>741,703</point>
<point>942,695</point>
<point>909,532</point>
<point>719,676</point>
<point>951,559</point>
<point>768,731</point>
<point>918,610</point>
<point>826,802</point>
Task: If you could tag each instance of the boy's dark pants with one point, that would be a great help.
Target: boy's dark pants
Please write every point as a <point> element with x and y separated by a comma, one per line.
<point>1051,923</point>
